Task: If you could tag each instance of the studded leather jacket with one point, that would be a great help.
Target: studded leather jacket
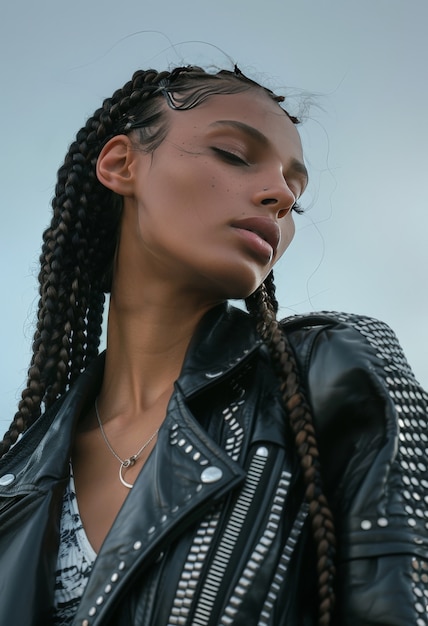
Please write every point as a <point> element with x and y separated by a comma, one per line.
<point>215,530</point>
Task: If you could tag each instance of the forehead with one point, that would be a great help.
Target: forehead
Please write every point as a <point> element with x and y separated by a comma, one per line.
<point>252,108</point>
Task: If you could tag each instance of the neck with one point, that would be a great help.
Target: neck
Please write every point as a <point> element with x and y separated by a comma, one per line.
<point>146,346</point>
<point>154,310</point>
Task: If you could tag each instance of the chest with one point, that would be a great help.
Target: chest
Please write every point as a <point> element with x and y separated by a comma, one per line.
<point>100,490</point>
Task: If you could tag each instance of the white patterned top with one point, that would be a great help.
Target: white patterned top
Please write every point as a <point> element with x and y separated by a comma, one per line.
<point>75,560</point>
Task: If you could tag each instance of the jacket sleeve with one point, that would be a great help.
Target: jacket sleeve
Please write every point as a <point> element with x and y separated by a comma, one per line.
<point>371,416</point>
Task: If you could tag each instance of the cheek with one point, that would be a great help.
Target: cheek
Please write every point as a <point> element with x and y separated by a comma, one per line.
<point>171,193</point>
<point>190,183</point>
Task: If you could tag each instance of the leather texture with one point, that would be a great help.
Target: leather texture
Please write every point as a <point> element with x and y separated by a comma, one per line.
<point>215,530</point>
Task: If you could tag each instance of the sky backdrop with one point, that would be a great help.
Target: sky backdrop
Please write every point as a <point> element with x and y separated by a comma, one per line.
<point>361,245</point>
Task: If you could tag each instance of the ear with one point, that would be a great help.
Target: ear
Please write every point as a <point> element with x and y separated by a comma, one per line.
<point>115,165</point>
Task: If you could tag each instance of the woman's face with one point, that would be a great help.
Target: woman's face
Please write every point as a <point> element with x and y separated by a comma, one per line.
<point>211,206</point>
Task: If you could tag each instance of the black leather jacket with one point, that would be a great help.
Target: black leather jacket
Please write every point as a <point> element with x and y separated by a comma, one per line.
<point>215,530</point>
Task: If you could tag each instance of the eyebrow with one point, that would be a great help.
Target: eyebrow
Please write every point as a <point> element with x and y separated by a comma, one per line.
<point>255,134</point>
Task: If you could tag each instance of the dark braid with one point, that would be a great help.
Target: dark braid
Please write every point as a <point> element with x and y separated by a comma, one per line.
<point>264,306</point>
<point>79,245</point>
<point>77,252</point>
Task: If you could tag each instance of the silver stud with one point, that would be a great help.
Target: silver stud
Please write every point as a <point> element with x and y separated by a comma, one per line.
<point>151,530</point>
<point>382,522</point>
<point>99,600</point>
<point>92,611</point>
<point>213,374</point>
<point>366,524</point>
<point>122,565</point>
<point>107,588</point>
<point>137,545</point>
<point>211,474</point>
<point>7,479</point>
<point>85,622</point>
<point>262,451</point>
<point>114,577</point>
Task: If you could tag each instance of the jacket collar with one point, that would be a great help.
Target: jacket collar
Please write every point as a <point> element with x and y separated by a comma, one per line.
<point>224,339</point>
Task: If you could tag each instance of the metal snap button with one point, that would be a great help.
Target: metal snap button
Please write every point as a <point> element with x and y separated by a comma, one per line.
<point>211,474</point>
<point>7,479</point>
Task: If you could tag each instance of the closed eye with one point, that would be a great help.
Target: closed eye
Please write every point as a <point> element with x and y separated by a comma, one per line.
<point>229,157</point>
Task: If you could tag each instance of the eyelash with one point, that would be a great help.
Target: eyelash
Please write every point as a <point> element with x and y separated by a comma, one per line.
<point>297,208</point>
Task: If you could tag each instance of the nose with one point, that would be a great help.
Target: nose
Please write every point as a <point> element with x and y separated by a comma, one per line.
<point>278,197</point>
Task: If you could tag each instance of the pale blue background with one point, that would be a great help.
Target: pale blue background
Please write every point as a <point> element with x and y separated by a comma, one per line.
<point>362,245</point>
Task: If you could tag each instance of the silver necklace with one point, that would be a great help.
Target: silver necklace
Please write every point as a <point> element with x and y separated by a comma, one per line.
<point>124,463</point>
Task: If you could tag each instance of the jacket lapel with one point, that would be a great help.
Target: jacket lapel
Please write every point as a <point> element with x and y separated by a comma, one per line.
<point>185,474</point>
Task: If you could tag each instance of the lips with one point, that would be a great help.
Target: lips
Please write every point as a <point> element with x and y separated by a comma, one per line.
<point>264,227</point>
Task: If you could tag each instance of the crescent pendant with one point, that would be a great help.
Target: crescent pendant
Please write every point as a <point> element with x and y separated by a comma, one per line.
<point>125,465</point>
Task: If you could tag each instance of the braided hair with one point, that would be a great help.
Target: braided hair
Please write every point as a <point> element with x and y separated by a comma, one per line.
<point>263,305</point>
<point>76,271</point>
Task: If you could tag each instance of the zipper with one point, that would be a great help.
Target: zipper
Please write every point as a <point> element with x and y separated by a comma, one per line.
<point>282,568</point>
<point>259,553</point>
<point>221,560</point>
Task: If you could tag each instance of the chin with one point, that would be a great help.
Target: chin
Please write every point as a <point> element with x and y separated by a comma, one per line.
<point>232,284</point>
<point>243,291</point>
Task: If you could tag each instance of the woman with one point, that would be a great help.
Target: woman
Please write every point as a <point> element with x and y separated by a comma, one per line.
<point>183,476</point>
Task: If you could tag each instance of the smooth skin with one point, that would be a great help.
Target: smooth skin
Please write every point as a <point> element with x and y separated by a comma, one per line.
<point>184,247</point>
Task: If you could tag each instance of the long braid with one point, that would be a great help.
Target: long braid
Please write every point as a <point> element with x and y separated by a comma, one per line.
<point>94,324</point>
<point>263,306</point>
<point>77,253</point>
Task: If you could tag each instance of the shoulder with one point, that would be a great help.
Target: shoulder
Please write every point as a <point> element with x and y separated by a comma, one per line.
<point>50,436</point>
<point>337,351</point>
<point>362,391</point>
<point>349,339</point>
